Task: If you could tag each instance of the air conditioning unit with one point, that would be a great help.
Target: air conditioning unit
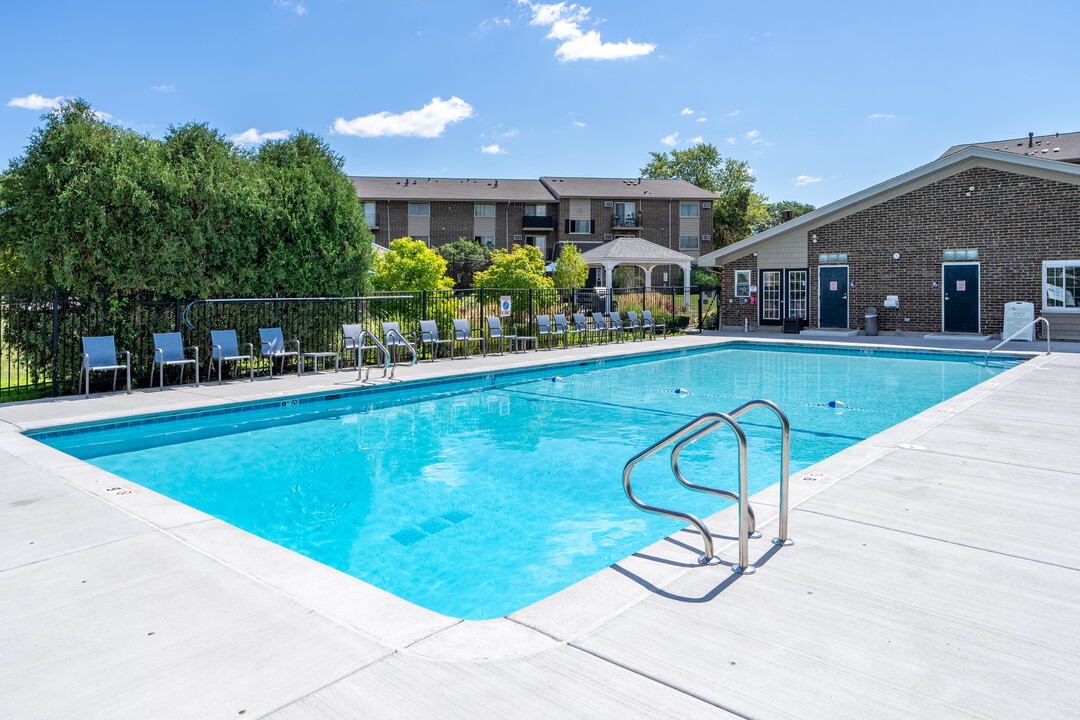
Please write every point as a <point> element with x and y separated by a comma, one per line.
<point>517,238</point>
<point>706,205</point>
<point>609,203</point>
<point>707,238</point>
<point>608,236</point>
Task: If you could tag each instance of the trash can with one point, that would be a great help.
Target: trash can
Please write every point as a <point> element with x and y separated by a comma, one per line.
<point>871,321</point>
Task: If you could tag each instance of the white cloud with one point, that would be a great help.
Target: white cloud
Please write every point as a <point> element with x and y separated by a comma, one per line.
<point>672,139</point>
<point>492,150</point>
<point>102,115</point>
<point>427,122</point>
<point>701,119</point>
<point>754,136</point>
<point>881,116</point>
<point>696,140</point>
<point>251,136</point>
<point>687,111</point>
<point>733,113</point>
<point>162,88</point>
<point>577,44</point>
<point>731,141</point>
<point>36,102</point>
<point>806,180</point>
<point>297,8</point>
<point>579,123</point>
<point>493,23</point>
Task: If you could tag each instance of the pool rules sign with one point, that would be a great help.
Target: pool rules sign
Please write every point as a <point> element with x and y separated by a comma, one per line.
<point>504,306</point>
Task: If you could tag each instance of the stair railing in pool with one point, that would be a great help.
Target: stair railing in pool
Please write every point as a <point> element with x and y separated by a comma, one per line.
<point>785,458</point>
<point>710,421</point>
<point>398,340</point>
<point>1044,321</point>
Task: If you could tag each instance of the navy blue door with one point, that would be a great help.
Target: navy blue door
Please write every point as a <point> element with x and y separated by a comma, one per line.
<point>960,298</point>
<point>833,297</point>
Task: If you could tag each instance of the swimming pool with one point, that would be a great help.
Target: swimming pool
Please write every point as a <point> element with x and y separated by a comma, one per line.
<point>477,496</point>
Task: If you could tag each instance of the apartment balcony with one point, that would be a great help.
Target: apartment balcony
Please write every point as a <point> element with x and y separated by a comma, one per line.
<point>538,223</point>
<point>626,222</point>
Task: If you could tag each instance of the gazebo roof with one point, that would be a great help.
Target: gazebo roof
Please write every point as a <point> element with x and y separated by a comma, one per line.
<point>633,250</point>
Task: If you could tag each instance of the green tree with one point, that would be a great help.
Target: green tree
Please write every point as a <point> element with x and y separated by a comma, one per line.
<point>776,209</point>
<point>464,258</point>
<point>99,210</point>
<point>739,211</point>
<point>522,268</point>
<point>571,271</point>
<point>410,265</point>
<point>320,241</point>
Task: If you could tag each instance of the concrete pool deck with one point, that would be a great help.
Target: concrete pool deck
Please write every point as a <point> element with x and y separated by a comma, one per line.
<point>934,574</point>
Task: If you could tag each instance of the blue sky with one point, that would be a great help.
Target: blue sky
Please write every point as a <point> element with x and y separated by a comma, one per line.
<point>822,99</point>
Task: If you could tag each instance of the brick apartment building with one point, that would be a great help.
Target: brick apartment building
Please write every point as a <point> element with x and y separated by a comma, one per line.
<point>940,249</point>
<point>545,213</point>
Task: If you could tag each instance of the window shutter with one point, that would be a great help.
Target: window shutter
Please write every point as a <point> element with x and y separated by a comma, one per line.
<point>567,226</point>
<point>592,227</point>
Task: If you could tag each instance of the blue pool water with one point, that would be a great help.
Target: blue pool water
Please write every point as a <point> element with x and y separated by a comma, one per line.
<point>477,497</point>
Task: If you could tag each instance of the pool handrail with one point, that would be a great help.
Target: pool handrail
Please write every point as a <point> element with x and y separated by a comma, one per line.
<point>785,458</point>
<point>713,420</point>
<point>399,341</point>
<point>986,358</point>
<point>360,347</point>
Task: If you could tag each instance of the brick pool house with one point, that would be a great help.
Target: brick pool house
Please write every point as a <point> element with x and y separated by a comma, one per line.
<point>940,249</point>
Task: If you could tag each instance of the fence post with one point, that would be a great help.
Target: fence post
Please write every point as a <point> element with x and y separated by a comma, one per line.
<point>529,329</point>
<point>358,306</point>
<point>480,321</point>
<point>178,312</point>
<point>55,335</point>
<point>700,316</point>
<point>423,305</point>
<point>643,297</point>
<point>277,317</point>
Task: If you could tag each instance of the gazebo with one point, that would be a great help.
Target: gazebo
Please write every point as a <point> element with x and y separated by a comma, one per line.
<point>640,253</point>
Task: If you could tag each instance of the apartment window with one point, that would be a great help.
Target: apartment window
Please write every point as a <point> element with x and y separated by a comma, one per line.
<point>580,226</point>
<point>419,209</point>
<point>487,241</point>
<point>742,283</point>
<point>688,242</point>
<point>1061,285</point>
<point>689,210</point>
<point>423,238</point>
<point>484,210</point>
<point>369,214</point>
<point>960,255</point>
<point>625,213</point>
<point>831,258</point>
<point>536,210</point>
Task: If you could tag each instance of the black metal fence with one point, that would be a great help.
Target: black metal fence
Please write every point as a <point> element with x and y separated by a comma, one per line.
<point>41,332</point>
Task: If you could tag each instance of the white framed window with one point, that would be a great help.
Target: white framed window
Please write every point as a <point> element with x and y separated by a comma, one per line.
<point>742,283</point>
<point>419,209</point>
<point>484,210</point>
<point>369,213</point>
<point>688,242</point>
<point>487,241</point>
<point>1061,285</point>
<point>536,210</point>
<point>581,227</point>
<point>689,210</point>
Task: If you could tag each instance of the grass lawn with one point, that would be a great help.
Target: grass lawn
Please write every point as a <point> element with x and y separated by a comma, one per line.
<point>15,380</point>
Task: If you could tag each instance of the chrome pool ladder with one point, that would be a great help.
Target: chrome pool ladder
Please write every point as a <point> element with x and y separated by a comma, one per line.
<point>694,431</point>
<point>1018,333</point>
<point>363,373</point>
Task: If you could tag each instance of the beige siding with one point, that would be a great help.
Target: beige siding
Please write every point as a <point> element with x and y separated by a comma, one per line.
<point>419,225</point>
<point>786,251</point>
<point>484,226</point>
<point>579,210</point>
<point>689,226</point>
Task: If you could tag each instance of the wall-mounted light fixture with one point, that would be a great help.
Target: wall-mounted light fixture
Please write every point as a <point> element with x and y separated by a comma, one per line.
<point>814,238</point>
<point>935,285</point>
<point>896,256</point>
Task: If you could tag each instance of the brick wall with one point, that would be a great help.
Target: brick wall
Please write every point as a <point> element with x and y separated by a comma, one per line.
<point>735,310</point>
<point>1014,221</point>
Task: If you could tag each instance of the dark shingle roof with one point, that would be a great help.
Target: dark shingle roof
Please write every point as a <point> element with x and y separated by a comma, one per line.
<point>618,189</point>
<point>400,188</point>
<point>1059,146</point>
